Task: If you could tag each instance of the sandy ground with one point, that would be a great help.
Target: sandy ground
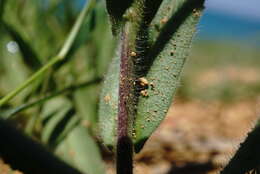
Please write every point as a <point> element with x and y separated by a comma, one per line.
<point>197,137</point>
<point>5,169</point>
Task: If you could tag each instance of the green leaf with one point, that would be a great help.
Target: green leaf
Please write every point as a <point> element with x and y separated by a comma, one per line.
<point>168,54</point>
<point>10,113</point>
<point>105,47</point>
<point>171,31</point>
<point>86,104</point>
<point>108,107</point>
<point>82,38</point>
<point>55,121</point>
<point>81,151</point>
<point>2,7</point>
<point>13,72</point>
<point>58,118</point>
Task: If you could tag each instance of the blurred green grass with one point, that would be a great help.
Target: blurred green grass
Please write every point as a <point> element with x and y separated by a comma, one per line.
<point>221,70</point>
<point>30,35</point>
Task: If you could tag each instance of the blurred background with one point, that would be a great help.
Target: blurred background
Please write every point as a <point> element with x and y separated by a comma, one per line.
<point>217,102</point>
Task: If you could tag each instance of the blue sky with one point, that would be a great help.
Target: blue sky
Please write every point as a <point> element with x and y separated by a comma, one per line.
<point>233,20</point>
<point>249,9</point>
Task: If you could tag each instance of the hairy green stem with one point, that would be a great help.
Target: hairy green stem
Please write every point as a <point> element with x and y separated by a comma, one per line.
<point>124,142</point>
<point>60,56</point>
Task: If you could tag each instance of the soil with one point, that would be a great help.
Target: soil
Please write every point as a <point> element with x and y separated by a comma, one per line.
<point>5,169</point>
<point>197,137</point>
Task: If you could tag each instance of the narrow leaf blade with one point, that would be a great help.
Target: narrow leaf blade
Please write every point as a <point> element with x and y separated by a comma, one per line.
<point>108,107</point>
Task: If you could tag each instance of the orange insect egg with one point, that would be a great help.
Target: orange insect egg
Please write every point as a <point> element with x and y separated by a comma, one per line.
<point>107,98</point>
<point>144,93</point>
<point>164,20</point>
<point>133,54</point>
<point>143,81</point>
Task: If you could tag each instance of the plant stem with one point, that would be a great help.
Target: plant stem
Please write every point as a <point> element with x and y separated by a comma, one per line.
<point>124,160</point>
<point>60,56</point>
<point>124,142</point>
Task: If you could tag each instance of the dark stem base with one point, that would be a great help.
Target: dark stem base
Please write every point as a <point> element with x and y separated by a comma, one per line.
<point>124,161</point>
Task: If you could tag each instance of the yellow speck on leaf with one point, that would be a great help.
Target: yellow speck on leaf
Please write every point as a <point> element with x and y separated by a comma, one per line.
<point>133,54</point>
<point>143,81</point>
<point>144,93</point>
<point>107,98</point>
